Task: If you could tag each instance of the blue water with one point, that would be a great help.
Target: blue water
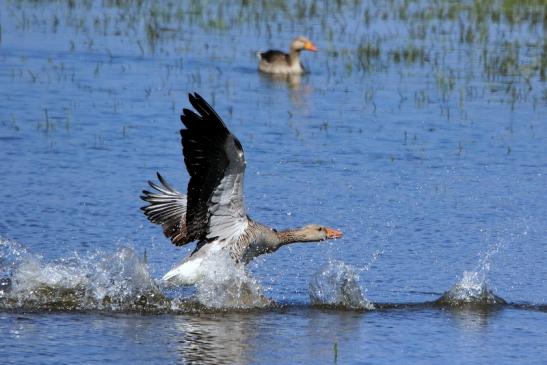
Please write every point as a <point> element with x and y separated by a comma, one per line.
<point>432,165</point>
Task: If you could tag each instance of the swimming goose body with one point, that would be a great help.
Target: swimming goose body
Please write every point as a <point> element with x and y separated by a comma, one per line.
<point>281,63</point>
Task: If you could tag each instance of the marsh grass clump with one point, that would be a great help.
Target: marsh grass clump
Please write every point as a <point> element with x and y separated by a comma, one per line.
<point>368,53</point>
<point>445,81</point>
<point>47,125</point>
<point>409,54</point>
<point>543,62</point>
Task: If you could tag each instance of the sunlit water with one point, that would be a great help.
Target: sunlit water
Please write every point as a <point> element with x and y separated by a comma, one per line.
<point>420,133</point>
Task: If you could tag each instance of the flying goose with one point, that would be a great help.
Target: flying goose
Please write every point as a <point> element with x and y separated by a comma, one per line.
<point>212,213</point>
<point>281,63</point>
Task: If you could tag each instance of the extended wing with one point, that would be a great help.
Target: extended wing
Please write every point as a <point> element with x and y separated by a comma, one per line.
<point>216,164</point>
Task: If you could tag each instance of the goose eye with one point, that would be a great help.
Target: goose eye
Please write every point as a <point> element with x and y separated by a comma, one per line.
<point>319,229</point>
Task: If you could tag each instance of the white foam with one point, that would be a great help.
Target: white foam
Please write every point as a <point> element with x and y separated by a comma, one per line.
<point>96,281</point>
<point>471,289</point>
<point>116,281</point>
<point>225,284</point>
<point>337,283</point>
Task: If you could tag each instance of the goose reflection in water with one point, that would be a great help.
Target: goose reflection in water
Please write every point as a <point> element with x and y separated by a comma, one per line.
<point>298,86</point>
<point>215,338</point>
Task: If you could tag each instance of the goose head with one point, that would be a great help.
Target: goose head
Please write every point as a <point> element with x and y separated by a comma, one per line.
<point>303,43</point>
<point>315,232</point>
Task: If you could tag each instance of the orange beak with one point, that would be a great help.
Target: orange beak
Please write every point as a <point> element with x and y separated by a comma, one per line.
<point>333,233</point>
<point>310,46</point>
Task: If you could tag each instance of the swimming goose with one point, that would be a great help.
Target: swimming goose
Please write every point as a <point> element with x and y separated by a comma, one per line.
<point>212,213</point>
<point>278,62</point>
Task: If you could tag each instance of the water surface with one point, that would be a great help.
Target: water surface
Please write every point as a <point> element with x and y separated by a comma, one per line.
<point>420,133</point>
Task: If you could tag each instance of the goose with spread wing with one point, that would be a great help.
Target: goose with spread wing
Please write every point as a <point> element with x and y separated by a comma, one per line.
<point>212,212</point>
<point>281,63</point>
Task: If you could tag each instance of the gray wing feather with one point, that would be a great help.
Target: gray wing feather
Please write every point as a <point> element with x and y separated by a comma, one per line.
<point>228,219</point>
<point>167,207</point>
<point>215,161</point>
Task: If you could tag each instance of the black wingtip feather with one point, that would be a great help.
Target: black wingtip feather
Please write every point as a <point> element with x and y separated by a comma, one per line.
<point>195,98</point>
<point>202,106</point>
<point>204,111</point>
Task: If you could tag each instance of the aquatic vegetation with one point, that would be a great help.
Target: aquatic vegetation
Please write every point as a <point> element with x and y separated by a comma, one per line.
<point>499,41</point>
<point>366,53</point>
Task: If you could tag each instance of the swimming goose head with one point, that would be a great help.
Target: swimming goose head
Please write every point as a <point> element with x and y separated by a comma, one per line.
<point>302,43</point>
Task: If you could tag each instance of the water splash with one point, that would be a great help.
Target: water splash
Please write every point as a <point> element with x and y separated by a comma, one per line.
<point>485,259</point>
<point>373,258</point>
<point>12,254</point>
<point>117,281</point>
<point>471,290</point>
<point>337,284</point>
<point>226,284</point>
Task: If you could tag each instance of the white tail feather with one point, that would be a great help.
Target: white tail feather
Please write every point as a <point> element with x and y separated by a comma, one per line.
<point>185,273</point>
